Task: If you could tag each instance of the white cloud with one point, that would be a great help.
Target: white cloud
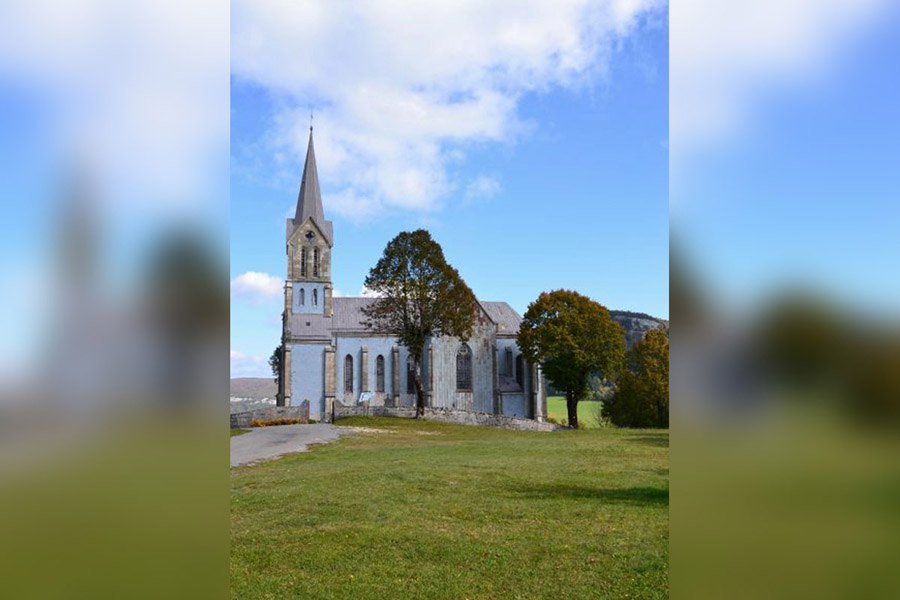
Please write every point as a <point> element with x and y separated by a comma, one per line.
<point>726,56</point>
<point>402,88</point>
<point>257,286</point>
<point>138,90</point>
<point>245,365</point>
<point>367,293</point>
<point>482,187</point>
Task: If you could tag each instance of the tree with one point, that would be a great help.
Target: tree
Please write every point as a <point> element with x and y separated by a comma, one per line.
<point>419,296</point>
<point>275,364</point>
<point>642,391</point>
<point>572,337</point>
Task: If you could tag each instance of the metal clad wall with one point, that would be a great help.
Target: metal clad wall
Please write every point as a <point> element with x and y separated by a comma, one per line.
<point>481,398</point>
<point>308,378</point>
<point>307,307</point>
<point>375,346</point>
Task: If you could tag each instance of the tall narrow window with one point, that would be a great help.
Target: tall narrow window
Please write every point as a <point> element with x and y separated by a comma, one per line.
<point>520,371</point>
<point>303,262</point>
<point>315,297</point>
<point>302,297</point>
<point>464,368</point>
<point>315,262</point>
<point>348,374</point>
<point>410,375</point>
<point>379,374</point>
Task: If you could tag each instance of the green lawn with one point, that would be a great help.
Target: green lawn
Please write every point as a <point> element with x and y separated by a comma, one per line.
<point>235,432</point>
<point>432,510</point>
<point>587,411</point>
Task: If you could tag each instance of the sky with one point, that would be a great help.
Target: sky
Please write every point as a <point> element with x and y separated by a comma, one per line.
<point>533,145</point>
<point>785,140</point>
<point>544,144</point>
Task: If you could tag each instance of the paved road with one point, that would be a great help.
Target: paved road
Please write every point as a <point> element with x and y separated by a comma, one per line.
<point>269,442</point>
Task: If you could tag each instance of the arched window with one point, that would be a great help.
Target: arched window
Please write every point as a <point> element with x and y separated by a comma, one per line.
<point>315,262</point>
<point>379,374</point>
<point>315,297</point>
<point>302,296</point>
<point>303,262</point>
<point>410,375</point>
<point>464,368</point>
<point>348,374</point>
<point>520,371</point>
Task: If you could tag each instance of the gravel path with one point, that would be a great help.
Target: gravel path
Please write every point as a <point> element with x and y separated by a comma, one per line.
<point>270,442</point>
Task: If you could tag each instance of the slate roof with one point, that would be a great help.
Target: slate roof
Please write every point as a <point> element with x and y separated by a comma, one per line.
<point>348,315</point>
<point>309,200</point>
<point>506,318</point>
<point>349,318</point>
<point>316,327</point>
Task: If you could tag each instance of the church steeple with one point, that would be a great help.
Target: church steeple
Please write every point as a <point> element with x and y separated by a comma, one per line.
<point>309,200</point>
<point>308,245</point>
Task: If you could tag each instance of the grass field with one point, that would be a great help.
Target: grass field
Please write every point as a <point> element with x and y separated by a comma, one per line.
<point>235,432</point>
<point>432,510</point>
<point>587,411</point>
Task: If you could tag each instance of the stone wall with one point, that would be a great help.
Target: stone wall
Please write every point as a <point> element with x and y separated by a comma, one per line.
<point>460,417</point>
<point>242,420</point>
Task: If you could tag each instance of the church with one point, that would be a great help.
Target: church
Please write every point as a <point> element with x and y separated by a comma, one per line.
<point>329,356</point>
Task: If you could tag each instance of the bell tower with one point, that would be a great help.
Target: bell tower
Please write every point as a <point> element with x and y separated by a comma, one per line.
<point>307,287</point>
<point>309,243</point>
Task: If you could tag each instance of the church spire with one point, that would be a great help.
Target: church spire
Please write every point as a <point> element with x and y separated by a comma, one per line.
<point>309,201</point>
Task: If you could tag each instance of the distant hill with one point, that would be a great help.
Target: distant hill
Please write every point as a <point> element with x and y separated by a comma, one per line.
<point>637,324</point>
<point>253,387</point>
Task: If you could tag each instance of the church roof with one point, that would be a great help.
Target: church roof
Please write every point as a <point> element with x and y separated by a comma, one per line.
<point>309,200</point>
<point>348,315</point>
<point>349,318</point>
<point>506,318</point>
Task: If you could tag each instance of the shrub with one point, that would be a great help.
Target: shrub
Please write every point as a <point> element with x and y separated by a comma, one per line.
<point>271,422</point>
<point>642,391</point>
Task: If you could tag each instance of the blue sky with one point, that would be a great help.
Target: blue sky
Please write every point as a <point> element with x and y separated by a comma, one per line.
<point>802,189</point>
<point>572,194</point>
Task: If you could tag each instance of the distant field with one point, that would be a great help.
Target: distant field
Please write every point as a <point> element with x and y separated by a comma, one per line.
<point>587,411</point>
<point>439,511</point>
<point>253,387</point>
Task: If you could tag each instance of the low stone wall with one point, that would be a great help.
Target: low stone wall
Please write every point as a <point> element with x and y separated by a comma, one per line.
<point>460,417</point>
<point>242,420</point>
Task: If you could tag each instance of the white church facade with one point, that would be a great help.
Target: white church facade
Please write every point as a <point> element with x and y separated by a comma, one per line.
<point>329,355</point>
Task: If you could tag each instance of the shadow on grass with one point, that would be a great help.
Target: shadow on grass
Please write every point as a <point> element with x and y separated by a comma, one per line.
<point>636,496</point>
<point>651,439</point>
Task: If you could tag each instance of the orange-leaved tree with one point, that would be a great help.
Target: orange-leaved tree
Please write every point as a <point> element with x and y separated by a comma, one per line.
<point>572,337</point>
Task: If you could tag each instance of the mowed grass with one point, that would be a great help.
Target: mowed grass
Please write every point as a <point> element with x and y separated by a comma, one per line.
<point>433,510</point>
<point>235,432</point>
<point>587,411</point>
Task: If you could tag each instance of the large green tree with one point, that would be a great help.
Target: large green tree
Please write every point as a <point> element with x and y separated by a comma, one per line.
<point>572,337</point>
<point>642,391</point>
<point>419,296</point>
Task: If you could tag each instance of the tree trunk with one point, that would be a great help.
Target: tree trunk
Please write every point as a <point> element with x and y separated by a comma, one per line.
<point>572,408</point>
<point>420,392</point>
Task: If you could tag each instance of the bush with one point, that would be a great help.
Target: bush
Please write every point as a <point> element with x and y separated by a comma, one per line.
<point>271,422</point>
<point>641,398</point>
